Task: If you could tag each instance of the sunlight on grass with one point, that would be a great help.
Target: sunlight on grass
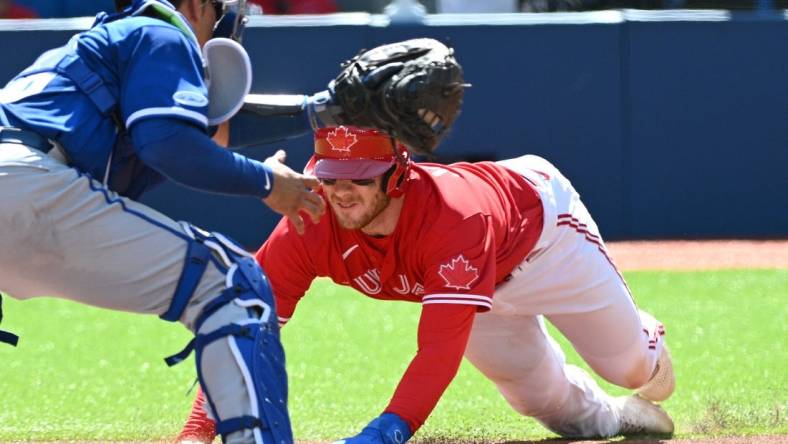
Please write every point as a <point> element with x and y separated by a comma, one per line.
<point>725,330</point>
<point>83,373</point>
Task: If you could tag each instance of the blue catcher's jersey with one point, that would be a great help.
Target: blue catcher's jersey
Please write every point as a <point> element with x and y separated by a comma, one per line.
<point>123,70</point>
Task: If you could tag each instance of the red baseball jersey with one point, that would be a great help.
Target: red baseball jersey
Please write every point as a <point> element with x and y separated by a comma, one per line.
<point>462,230</point>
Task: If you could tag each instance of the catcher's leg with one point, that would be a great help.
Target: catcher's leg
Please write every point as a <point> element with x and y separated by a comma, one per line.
<point>238,334</point>
<point>67,236</point>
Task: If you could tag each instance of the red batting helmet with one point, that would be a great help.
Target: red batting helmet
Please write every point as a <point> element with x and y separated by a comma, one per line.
<point>347,152</point>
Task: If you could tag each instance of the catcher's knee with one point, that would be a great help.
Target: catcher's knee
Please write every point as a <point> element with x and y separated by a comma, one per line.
<point>241,367</point>
<point>239,356</point>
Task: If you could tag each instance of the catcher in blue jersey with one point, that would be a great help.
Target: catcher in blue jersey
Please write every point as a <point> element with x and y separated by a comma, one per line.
<point>130,103</point>
<point>91,125</point>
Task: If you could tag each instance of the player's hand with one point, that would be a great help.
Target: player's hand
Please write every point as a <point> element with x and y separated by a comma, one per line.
<point>293,192</point>
<point>387,428</point>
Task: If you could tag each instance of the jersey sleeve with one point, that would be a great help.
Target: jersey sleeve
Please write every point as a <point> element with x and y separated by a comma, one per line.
<point>460,269</point>
<point>163,77</point>
<point>443,335</point>
<point>290,269</point>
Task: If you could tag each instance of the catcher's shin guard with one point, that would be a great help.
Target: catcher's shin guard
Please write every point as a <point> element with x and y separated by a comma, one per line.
<point>258,353</point>
<point>239,356</point>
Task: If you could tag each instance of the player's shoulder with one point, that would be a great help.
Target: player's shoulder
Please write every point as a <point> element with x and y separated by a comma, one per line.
<point>458,174</point>
<point>438,177</point>
<point>436,199</point>
<point>446,187</point>
<point>141,30</point>
<point>135,24</point>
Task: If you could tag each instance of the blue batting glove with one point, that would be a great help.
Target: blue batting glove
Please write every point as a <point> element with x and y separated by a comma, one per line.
<point>387,428</point>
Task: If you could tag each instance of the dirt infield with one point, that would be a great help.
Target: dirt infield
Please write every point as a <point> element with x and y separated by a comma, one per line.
<point>699,255</point>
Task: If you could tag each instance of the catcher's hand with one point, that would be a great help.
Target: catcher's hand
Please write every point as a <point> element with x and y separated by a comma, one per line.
<point>292,193</point>
<point>411,89</point>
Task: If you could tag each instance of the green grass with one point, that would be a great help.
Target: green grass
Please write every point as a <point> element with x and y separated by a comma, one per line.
<point>83,373</point>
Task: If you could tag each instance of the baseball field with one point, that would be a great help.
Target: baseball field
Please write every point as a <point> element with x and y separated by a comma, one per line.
<point>87,375</point>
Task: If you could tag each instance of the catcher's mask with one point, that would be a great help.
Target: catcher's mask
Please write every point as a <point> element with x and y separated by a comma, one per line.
<point>231,18</point>
<point>347,152</point>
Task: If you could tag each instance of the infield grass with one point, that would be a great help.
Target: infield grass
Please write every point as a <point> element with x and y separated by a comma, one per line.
<point>86,374</point>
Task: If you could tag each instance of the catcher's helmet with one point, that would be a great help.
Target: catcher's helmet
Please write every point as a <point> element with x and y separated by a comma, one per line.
<point>347,152</point>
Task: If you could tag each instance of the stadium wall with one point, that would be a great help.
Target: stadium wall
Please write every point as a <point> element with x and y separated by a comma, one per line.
<point>671,124</point>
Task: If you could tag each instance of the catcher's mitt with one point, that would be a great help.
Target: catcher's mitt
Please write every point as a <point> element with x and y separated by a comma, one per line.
<point>411,89</point>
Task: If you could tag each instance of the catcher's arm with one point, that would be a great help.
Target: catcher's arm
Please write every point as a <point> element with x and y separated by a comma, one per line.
<point>411,89</point>
<point>268,118</point>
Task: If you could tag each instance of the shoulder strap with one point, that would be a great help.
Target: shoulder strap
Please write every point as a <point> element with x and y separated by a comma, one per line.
<point>90,83</point>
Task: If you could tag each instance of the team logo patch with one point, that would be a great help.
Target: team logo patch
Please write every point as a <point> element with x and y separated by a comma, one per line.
<point>341,140</point>
<point>459,273</point>
<point>190,98</point>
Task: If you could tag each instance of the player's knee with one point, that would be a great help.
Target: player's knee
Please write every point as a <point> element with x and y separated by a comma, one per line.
<point>639,374</point>
<point>215,272</point>
<point>223,316</point>
<point>631,372</point>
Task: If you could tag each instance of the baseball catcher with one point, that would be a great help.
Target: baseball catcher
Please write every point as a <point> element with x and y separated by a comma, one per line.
<point>122,107</point>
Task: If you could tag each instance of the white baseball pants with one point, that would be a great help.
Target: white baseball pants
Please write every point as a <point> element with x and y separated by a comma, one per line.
<point>569,279</point>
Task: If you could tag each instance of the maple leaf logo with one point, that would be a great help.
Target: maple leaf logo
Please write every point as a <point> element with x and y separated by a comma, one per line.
<point>341,140</point>
<point>459,273</point>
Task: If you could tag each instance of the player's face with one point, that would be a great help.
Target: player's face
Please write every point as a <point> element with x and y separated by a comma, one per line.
<point>204,19</point>
<point>355,203</point>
